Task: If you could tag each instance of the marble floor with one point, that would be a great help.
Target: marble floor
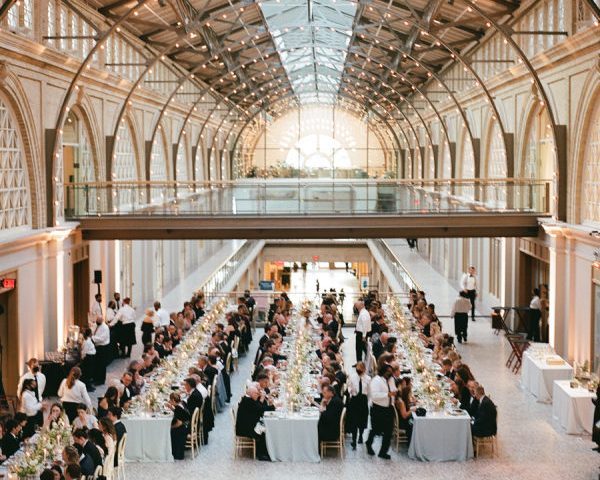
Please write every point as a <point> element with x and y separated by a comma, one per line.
<point>531,445</point>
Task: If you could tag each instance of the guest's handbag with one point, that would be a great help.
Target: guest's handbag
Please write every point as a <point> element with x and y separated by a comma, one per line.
<point>420,412</point>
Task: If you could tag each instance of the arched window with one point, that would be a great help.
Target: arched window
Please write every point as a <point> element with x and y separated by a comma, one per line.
<point>76,166</point>
<point>181,164</point>
<point>158,165</point>
<point>467,164</point>
<point>199,174</point>
<point>125,164</point>
<point>15,209</point>
<point>446,161</point>
<point>496,165</point>
<point>590,197</point>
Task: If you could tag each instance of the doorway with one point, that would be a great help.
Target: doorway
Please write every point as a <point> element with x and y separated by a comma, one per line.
<point>9,341</point>
<point>81,293</point>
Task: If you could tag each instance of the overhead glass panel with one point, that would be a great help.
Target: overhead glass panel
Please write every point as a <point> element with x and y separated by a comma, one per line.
<point>312,38</point>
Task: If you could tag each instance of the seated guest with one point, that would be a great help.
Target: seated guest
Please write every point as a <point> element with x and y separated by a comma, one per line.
<point>109,400</point>
<point>331,412</point>
<point>473,402</point>
<point>159,346</point>
<point>404,410</point>
<point>56,416</point>
<point>96,437</point>
<point>206,366</point>
<point>47,474</point>
<point>84,419</point>
<point>73,472</point>
<point>147,364</point>
<point>447,368</point>
<point>90,456</point>
<point>379,345</point>
<point>179,426</point>
<point>127,392</point>
<point>484,423</point>
<point>249,413</point>
<point>114,415</point>
<point>70,455</point>
<point>194,397</point>
<point>10,440</point>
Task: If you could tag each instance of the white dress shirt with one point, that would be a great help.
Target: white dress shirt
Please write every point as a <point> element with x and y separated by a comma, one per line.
<point>111,317</point>
<point>39,377</point>
<point>101,336</point>
<point>29,404</point>
<point>77,394</point>
<point>469,282</point>
<point>461,305</point>
<point>353,384</point>
<point>126,314</point>
<point>378,391</point>
<point>96,309</point>
<point>363,323</point>
<point>535,303</point>
<point>163,317</point>
<point>88,348</point>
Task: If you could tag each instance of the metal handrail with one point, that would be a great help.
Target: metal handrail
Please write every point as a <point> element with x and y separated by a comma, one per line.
<point>386,251</point>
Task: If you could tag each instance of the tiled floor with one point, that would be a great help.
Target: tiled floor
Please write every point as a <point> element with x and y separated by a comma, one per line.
<point>531,446</point>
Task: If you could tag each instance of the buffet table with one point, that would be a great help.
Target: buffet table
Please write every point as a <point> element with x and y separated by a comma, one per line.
<point>148,438</point>
<point>573,407</point>
<point>441,437</point>
<point>538,375</point>
<point>293,437</point>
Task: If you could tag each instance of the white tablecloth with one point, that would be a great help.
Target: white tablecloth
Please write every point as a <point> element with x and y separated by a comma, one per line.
<point>537,377</point>
<point>573,407</point>
<point>293,438</point>
<point>438,437</point>
<point>148,439</point>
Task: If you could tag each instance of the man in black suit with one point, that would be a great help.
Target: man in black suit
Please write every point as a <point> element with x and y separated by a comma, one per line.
<point>331,412</point>
<point>10,441</point>
<point>206,366</point>
<point>473,405</point>
<point>379,345</point>
<point>484,423</point>
<point>194,397</point>
<point>114,415</point>
<point>127,393</point>
<point>250,411</point>
<point>91,457</point>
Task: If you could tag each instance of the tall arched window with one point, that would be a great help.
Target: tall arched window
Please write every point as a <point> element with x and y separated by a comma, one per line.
<point>467,163</point>
<point>15,209</point>
<point>125,165</point>
<point>158,165</point>
<point>76,162</point>
<point>181,164</point>
<point>445,161</point>
<point>496,165</point>
<point>199,174</point>
<point>590,197</point>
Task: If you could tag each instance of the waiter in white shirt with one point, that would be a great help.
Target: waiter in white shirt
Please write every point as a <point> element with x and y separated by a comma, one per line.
<point>126,315</point>
<point>163,316</point>
<point>363,327</point>
<point>33,373</point>
<point>460,313</point>
<point>101,339</point>
<point>535,314</point>
<point>382,392</point>
<point>96,310</point>
<point>469,285</point>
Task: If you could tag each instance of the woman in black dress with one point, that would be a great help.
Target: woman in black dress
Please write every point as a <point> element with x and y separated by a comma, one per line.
<point>358,403</point>
<point>109,400</point>
<point>179,426</point>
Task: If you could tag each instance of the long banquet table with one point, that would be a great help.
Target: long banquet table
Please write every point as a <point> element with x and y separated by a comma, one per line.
<point>538,376</point>
<point>573,407</point>
<point>441,437</point>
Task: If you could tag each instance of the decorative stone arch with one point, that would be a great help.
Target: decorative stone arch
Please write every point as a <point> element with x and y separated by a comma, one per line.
<point>15,98</point>
<point>491,128</point>
<point>160,139</point>
<point>463,146</point>
<point>587,108</point>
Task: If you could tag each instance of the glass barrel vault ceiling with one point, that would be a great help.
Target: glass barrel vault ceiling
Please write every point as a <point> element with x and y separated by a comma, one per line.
<point>312,38</point>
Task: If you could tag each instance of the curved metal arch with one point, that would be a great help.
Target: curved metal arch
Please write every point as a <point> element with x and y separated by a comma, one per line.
<point>561,204</point>
<point>479,81</point>
<point>343,95</point>
<point>594,8</point>
<point>102,37</point>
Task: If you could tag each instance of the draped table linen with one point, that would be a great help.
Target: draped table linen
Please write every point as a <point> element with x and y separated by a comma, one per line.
<point>572,408</point>
<point>537,376</point>
<point>292,438</point>
<point>440,437</point>
<point>148,439</point>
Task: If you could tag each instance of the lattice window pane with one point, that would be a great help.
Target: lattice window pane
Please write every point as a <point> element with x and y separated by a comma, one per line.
<point>158,166</point>
<point>591,171</point>
<point>181,165</point>
<point>468,165</point>
<point>14,188</point>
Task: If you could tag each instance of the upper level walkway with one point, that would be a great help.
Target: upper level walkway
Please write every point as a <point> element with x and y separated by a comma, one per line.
<point>308,208</point>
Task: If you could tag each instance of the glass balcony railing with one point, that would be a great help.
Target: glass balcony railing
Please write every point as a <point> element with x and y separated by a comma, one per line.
<point>308,197</point>
<point>395,265</point>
